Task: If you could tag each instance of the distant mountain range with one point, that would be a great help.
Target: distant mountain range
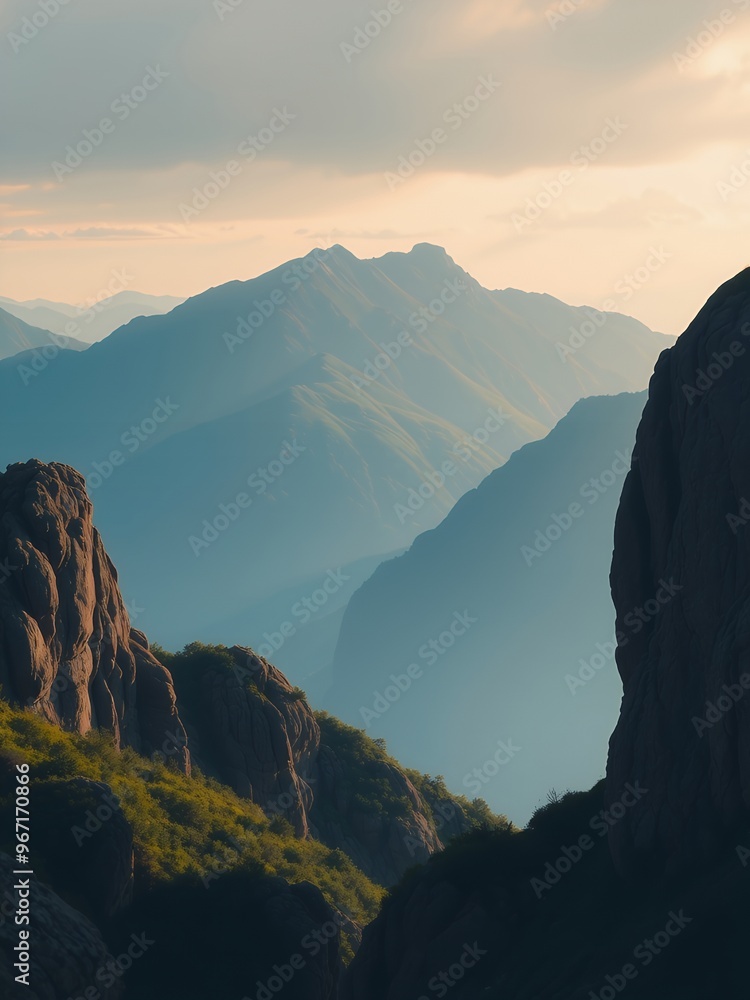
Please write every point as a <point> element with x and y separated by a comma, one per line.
<point>16,336</point>
<point>497,625</point>
<point>268,439</point>
<point>93,320</point>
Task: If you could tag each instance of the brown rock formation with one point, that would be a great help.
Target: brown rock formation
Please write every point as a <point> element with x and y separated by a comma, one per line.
<point>251,729</point>
<point>263,736</point>
<point>382,846</point>
<point>66,647</point>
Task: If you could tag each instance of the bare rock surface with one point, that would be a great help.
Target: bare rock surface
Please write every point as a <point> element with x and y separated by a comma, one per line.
<point>67,650</point>
<point>257,733</point>
<point>265,735</point>
<point>383,846</point>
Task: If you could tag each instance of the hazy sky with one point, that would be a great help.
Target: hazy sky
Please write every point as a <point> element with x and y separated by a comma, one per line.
<point>555,147</point>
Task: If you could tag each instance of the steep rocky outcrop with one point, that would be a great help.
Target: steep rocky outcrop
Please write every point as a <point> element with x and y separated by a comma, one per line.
<point>681,586</point>
<point>382,844</point>
<point>440,925</point>
<point>298,911</point>
<point>68,955</point>
<point>535,916</point>
<point>252,730</point>
<point>67,650</point>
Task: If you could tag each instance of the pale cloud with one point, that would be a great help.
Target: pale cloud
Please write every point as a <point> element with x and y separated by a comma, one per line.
<point>226,77</point>
<point>322,180</point>
<point>363,234</point>
<point>90,233</point>
<point>653,208</point>
<point>24,235</point>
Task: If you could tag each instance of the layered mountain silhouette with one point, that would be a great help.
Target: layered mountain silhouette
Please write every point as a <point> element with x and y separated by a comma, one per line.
<point>638,887</point>
<point>524,557</point>
<point>32,342</point>
<point>349,402</point>
<point>92,320</point>
<point>234,844</point>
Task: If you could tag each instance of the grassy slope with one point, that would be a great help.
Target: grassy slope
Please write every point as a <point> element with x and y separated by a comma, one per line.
<point>183,826</point>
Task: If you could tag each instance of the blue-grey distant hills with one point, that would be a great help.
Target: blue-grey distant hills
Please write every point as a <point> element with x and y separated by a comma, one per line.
<point>486,651</point>
<point>17,337</point>
<point>93,320</point>
<point>269,441</point>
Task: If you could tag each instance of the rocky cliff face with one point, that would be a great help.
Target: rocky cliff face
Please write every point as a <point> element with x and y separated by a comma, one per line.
<point>67,650</point>
<point>681,586</point>
<point>383,846</point>
<point>255,732</point>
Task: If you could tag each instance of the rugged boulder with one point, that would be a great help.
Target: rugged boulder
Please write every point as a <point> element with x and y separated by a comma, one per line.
<point>67,650</point>
<point>681,585</point>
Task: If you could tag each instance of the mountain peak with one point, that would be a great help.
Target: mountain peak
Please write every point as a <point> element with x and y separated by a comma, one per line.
<point>425,254</point>
<point>431,250</point>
